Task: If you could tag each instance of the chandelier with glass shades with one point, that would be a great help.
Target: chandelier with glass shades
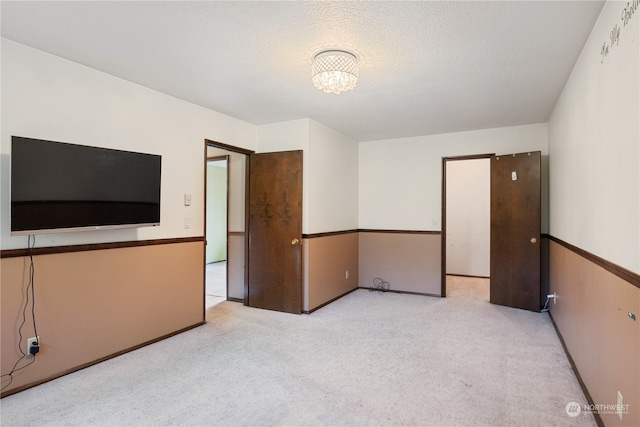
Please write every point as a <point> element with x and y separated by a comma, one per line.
<point>334,71</point>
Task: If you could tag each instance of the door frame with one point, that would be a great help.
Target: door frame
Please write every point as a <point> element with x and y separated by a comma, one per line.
<point>246,153</point>
<point>443,233</point>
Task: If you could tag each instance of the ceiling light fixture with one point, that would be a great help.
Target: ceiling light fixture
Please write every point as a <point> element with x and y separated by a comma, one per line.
<point>334,71</point>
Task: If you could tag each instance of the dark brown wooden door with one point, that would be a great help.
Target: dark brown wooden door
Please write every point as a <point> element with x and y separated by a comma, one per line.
<point>515,231</point>
<point>275,231</point>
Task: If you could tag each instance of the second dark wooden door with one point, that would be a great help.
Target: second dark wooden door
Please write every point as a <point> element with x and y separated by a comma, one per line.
<point>515,231</point>
<point>275,231</point>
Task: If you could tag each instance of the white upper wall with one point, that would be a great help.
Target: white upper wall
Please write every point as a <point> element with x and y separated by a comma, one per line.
<point>333,180</point>
<point>47,97</point>
<point>594,144</point>
<point>387,184</point>
<point>283,136</point>
<point>401,179</point>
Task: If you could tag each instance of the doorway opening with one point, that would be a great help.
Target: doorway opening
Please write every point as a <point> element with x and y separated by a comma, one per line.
<point>227,274</point>
<point>466,226</point>
<point>216,230</point>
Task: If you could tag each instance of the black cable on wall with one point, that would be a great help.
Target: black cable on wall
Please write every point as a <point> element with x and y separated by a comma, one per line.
<point>30,299</point>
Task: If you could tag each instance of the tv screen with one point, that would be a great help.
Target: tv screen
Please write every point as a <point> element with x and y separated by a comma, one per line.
<point>57,186</point>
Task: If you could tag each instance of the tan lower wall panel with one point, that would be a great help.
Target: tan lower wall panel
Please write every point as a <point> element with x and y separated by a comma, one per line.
<point>326,259</point>
<point>93,304</point>
<point>591,314</point>
<point>410,262</point>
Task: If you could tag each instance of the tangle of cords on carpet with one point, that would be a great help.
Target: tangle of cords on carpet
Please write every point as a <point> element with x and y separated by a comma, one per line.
<point>29,290</point>
<point>379,285</point>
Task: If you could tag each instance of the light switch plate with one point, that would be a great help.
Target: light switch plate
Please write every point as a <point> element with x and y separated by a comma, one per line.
<point>187,199</point>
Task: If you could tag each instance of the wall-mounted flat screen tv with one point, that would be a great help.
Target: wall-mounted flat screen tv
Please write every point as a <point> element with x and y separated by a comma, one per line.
<point>57,186</point>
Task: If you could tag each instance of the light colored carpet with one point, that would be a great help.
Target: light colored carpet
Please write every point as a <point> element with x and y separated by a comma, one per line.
<point>367,359</point>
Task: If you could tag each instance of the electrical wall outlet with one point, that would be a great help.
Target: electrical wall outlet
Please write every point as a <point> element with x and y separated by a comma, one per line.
<point>32,341</point>
<point>620,406</point>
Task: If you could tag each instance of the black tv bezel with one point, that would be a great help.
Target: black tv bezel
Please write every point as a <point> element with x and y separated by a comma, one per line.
<point>80,228</point>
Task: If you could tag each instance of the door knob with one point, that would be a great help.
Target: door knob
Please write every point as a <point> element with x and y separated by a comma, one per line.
<point>534,240</point>
<point>295,242</point>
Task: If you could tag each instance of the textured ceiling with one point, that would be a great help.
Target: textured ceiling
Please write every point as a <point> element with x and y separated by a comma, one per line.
<point>425,67</point>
